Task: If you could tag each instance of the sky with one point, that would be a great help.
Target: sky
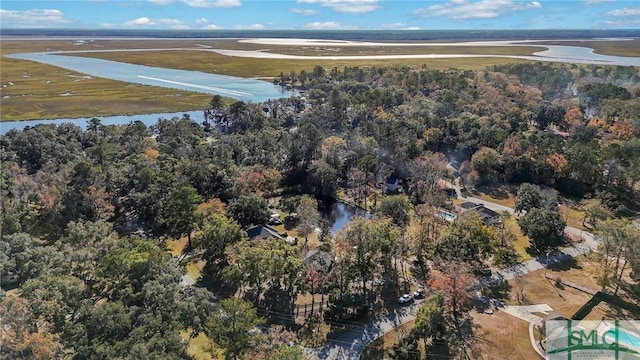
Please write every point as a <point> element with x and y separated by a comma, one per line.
<point>321,14</point>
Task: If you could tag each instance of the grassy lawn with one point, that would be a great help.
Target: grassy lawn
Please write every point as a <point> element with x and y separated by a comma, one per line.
<point>502,336</point>
<point>175,247</point>
<point>522,241</point>
<point>194,269</point>
<point>200,347</point>
<point>564,300</point>
<point>500,194</point>
<point>572,216</point>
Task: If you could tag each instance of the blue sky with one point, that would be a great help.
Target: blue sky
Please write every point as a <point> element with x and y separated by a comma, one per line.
<point>321,14</point>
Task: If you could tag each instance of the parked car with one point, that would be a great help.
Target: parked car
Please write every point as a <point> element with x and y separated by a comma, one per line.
<point>405,299</point>
<point>483,273</point>
<point>419,294</point>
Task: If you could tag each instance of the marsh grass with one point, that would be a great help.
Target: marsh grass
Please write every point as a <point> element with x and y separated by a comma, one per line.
<point>37,91</point>
<point>46,92</point>
<point>211,62</point>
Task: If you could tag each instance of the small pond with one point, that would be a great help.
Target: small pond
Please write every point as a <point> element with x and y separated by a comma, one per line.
<point>339,214</point>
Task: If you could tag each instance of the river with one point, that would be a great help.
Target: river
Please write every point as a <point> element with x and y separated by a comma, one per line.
<point>147,119</point>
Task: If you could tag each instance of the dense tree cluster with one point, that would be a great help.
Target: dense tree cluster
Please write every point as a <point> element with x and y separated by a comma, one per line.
<point>85,214</point>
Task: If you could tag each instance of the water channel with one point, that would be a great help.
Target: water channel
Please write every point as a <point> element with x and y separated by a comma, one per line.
<point>253,90</point>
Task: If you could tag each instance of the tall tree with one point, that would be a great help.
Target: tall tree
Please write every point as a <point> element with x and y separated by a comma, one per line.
<point>619,247</point>
<point>453,280</point>
<point>528,197</point>
<point>218,233</point>
<point>229,326</point>
<point>180,215</point>
<point>309,216</point>
<point>545,228</point>
<point>249,210</point>
<point>488,163</point>
<point>426,171</point>
<point>468,240</point>
<point>430,323</point>
<point>396,208</point>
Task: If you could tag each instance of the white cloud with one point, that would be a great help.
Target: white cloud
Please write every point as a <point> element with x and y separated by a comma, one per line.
<point>346,6</point>
<point>397,25</point>
<point>250,27</point>
<point>329,25</point>
<point>147,22</point>
<point>304,12</point>
<point>213,3</point>
<point>625,12</point>
<point>202,21</point>
<point>481,9</point>
<point>141,21</point>
<point>213,27</point>
<point>169,22</point>
<point>41,18</point>
<point>202,3</point>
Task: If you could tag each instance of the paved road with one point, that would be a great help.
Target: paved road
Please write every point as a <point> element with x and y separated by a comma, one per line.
<point>351,345</point>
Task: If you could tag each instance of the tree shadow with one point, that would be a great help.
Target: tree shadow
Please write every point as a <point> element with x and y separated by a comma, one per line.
<point>564,265</point>
<point>499,291</point>
<point>216,286</point>
<point>439,350</point>
<point>278,301</point>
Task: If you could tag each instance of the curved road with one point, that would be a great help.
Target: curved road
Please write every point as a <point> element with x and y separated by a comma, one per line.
<point>352,344</point>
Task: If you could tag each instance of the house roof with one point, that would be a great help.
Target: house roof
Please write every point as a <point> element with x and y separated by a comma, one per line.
<point>318,259</point>
<point>489,212</point>
<point>469,205</point>
<point>263,232</point>
<point>480,208</point>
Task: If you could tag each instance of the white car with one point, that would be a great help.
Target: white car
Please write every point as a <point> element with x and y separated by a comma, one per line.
<point>405,299</point>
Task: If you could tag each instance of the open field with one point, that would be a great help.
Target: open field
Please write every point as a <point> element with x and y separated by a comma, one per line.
<point>501,336</point>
